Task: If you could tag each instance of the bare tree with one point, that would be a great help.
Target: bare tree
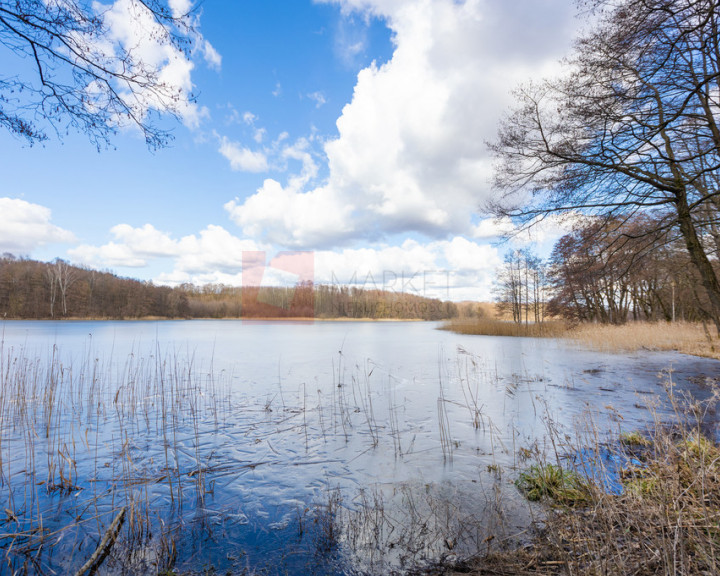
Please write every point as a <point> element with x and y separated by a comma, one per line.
<point>52,286</point>
<point>521,286</point>
<point>82,76</point>
<point>65,276</point>
<point>633,125</point>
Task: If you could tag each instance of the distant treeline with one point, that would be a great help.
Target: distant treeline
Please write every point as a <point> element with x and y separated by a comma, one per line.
<point>610,271</point>
<point>54,290</point>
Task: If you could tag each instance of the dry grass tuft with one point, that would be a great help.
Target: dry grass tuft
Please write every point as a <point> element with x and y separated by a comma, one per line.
<point>665,522</point>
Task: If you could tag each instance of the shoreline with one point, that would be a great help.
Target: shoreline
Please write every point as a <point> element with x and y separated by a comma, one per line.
<point>691,338</point>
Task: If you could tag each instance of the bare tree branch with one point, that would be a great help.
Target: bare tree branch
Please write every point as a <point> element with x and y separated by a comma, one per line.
<point>86,78</point>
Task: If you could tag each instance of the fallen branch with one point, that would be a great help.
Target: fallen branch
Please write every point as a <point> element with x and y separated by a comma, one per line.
<point>105,544</point>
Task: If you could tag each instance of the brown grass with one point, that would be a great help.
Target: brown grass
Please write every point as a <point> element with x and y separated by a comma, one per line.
<point>665,522</point>
<point>490,309</point>
<point>488,320</point>
<point>494,327</point>
<point>685,337</point>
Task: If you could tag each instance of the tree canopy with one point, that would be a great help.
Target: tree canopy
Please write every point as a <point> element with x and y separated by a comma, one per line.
<point>632,125</point>
<point>86,66</point>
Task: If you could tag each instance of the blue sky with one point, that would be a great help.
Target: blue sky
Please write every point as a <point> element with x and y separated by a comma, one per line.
<point>352,128</point>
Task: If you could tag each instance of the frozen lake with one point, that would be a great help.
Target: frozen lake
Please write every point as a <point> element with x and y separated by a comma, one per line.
<point>325,448</point>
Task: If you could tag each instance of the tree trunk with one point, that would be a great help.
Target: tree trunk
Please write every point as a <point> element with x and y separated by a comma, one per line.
<point>699,257</point>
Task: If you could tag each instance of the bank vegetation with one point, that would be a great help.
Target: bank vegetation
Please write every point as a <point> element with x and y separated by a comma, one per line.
<point>645,504</point>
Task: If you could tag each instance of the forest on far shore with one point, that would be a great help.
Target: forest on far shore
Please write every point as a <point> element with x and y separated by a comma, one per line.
<point>30,289</point>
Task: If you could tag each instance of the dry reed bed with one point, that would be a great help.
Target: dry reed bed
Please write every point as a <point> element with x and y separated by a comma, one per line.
<point>494,327</point>
<point>82,444</point>
<point>686,337</point>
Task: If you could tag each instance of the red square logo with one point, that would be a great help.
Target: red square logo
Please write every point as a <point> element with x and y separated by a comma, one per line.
<point>280,288</point>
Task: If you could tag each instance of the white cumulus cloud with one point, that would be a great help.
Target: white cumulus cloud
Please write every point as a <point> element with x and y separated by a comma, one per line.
<point>284,215</point>
<point>130,247</point>
<point>457,269</point>
<point>25,227</point>
<point>212,56</point>
<point>242,158</point>
<point>180,8</point>
<point>318,98</point>
<point>211,254</point>
<point>410,154</point>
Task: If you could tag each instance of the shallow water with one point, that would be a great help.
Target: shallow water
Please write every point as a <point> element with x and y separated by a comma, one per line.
<point>292,448</point>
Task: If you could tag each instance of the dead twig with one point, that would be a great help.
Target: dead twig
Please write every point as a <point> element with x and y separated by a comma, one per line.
<point>105,544</point>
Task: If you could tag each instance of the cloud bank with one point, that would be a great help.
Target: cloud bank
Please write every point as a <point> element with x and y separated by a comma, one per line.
<point>410,153</point>
<point>454,269</point>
